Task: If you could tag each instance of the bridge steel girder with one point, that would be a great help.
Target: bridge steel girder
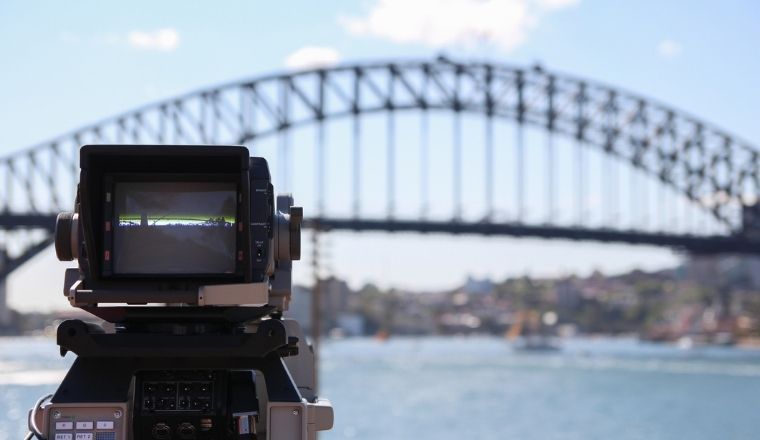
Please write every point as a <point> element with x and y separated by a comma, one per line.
<point>713,244</point>
<point>704,163</point>
<point>27,221</point>
<point>704,245</point>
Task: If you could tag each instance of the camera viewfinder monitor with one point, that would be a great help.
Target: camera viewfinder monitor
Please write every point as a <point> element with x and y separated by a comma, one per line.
<point>161,226</point>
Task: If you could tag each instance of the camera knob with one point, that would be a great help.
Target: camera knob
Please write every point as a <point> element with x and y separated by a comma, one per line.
<point>296,218</point>
<point>67,236</point>
<point>288,219</point>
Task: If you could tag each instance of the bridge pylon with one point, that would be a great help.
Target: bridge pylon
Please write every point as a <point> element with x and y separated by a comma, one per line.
<point>751,221</point>
<point>5,312</point>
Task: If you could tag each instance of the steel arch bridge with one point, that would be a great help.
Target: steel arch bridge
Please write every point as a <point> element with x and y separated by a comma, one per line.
<point>712,171</point>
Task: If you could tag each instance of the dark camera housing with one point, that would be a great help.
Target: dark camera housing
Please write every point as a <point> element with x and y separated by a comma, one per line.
<point>155,223</point>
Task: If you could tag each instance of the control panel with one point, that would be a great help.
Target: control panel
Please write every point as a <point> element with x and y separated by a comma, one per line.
<point>86,421</point>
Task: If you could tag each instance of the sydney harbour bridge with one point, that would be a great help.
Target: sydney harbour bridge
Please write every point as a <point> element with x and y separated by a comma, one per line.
<point>437,146</point>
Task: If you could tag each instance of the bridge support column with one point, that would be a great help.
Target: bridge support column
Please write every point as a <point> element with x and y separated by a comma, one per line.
<point>751,220</point>
<point>5,313</point>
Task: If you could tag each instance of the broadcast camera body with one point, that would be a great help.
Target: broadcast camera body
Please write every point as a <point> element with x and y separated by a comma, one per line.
<point>183,250</point>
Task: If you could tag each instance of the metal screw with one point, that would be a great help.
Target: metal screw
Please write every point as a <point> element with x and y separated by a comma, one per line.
<point>117,414</point>
<point>56,414</point>
<point>295,412</point>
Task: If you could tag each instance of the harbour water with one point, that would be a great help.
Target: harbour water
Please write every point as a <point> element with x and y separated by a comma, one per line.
<point>480,388</point>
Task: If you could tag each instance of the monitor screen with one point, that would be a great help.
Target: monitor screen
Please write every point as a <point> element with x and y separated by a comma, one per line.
<point>165,228</point>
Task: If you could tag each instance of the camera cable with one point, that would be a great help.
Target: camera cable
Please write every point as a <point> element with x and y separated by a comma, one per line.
<point>34,430</point>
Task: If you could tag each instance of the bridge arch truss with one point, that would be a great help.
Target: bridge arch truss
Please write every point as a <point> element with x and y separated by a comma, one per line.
<point>712,169</point>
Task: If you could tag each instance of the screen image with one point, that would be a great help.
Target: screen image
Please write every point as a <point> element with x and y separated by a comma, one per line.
<point>174,227</point>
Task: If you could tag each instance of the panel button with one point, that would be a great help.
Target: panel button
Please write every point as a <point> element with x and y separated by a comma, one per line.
<point>104,424</point>
<point>84,436</point>
<point>63,436</point>
<point>84,425</point>
<point>64,425</point>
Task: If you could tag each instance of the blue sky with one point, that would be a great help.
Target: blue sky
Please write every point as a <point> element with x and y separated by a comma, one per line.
<point>66,64</point>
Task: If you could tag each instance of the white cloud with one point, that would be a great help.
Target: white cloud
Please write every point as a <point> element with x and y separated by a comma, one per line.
<point>551,5</point>
<point>166,39</point>
<point>669,48</point>
<point>439,23</point>
<point>311,57</point>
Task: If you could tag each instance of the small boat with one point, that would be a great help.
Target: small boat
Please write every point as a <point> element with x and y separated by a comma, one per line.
<point>529,333</point>
<point>540,343</point>
<point>382,335</point>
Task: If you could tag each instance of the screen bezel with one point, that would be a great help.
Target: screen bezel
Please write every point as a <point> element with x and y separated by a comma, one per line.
<point>109,215</point>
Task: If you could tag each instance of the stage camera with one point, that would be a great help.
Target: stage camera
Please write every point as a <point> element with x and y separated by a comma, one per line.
<point>186,253</point>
